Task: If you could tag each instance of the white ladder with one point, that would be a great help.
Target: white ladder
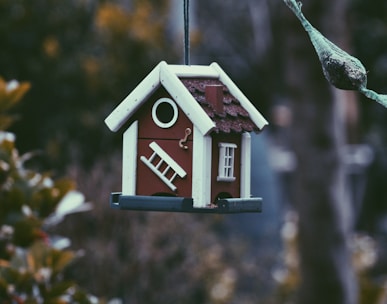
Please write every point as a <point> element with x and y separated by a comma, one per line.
<point>164,158</point>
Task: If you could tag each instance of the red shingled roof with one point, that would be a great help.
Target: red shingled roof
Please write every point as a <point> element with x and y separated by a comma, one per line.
<point>234,117</point>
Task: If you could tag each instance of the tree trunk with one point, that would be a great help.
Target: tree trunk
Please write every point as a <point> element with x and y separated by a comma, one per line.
<point>317,137</point>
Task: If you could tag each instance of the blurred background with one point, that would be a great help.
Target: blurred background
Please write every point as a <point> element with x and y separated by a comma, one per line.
<point>320,166</point>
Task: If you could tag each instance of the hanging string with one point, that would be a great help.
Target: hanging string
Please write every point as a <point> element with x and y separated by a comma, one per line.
<point>186,33</point>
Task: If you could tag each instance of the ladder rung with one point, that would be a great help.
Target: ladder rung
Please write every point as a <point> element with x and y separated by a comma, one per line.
<point>166,170</point>
<point>151,158</point>
<point>173,177</point>
<point>159,163</point>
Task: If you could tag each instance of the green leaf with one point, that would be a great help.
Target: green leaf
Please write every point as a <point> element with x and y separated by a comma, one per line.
<point>59,289</point>
<point>27,231</point>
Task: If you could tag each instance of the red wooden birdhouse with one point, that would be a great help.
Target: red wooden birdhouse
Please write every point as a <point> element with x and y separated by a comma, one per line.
<point>186,142</point>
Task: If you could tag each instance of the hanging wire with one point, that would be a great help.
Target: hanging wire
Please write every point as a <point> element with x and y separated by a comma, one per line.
<point>186,33</point>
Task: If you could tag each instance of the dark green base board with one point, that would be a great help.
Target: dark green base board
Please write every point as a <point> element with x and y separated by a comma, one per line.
<point>183,204</point>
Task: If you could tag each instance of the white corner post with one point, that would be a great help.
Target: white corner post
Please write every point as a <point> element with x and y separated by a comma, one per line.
<point>201,169</point>
<point>129,160</point>
<point>246,165</point>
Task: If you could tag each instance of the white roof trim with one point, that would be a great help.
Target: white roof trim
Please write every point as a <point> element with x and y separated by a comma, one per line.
<point>167,75</point>
<point>134,100</point>
<point>194,71</point>
<point>255,116</point>
<point>185,100</point>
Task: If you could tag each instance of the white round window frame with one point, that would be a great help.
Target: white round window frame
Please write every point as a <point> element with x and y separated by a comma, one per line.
<point>165,125</point>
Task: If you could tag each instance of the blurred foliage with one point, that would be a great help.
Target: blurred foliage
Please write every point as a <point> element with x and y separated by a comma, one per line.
<point>31,261</point>
<point>364,251</point>
<point>10,94</point>
<point>81,58</point>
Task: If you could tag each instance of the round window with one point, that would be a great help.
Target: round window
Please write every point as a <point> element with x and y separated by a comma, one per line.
<point>164,113</point>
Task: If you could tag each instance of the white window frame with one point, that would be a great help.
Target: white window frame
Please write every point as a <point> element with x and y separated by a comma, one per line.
<point>226,162</point>
<point>165,125</point>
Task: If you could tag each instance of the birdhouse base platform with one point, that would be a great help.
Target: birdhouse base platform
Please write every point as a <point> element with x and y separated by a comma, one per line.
<point>183,204</point>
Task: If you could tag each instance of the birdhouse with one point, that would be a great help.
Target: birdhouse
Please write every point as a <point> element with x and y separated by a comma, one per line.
<point>186,142</point>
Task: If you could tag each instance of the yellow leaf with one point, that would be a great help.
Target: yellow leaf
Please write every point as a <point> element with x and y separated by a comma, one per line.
<point>4,263</point>
<point>16,94</point>
<point>61,259</point>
